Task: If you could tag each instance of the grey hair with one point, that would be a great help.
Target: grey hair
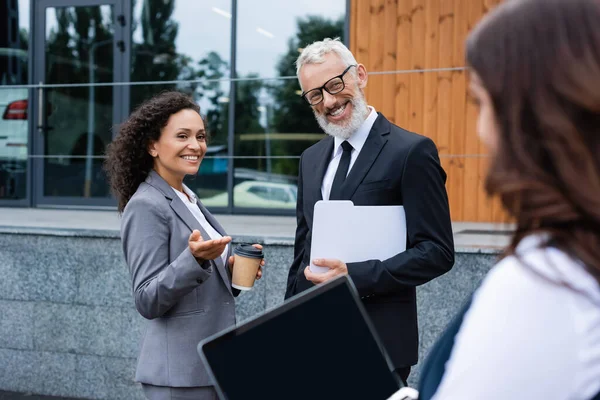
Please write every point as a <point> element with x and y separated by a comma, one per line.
<point>314,53</point>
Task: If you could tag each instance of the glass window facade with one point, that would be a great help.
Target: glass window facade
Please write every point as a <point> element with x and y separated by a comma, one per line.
<point>77,121</point>
<point>257,122</point>
<point>273,125</point>
<point>187,43</point>
<point>14,99</point>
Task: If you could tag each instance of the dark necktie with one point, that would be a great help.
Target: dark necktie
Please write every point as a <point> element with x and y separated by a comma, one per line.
<point>342,171</point>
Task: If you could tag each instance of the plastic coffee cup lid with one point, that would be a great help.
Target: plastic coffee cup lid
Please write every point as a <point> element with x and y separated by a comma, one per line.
<point>247,250</point>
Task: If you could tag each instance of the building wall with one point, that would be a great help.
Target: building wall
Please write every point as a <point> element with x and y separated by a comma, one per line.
<point>408,35</point>
<point>258,124</point>
<point>270,125</point>
<point>68,326</point>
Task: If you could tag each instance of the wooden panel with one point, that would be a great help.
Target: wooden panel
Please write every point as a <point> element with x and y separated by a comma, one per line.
<point>457,129</point>
<point>353,33</point>
<point>472,182</point>
<point>362,29</point>
<point>403,50</point>
<point>484,203</point>
<point>417,79</point>
<point>432,40</point>
<point>473,149</point>
<point>497,211</point>
<point>376,49</point>
<point>404,35</point>
<point>444,96</point>
<point>388,107</point>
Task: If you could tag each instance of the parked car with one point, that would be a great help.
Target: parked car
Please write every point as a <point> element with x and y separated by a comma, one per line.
<point>258,194</point>
<point>13,127</point>
<point>13,124</point>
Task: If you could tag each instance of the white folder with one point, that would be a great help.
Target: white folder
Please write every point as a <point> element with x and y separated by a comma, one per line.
<point>352,233</point>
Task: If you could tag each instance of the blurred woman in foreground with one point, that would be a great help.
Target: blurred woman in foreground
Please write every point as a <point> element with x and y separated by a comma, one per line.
<point>532,330</point>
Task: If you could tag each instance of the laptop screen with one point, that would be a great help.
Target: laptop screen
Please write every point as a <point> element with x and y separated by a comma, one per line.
<point>318,345</point>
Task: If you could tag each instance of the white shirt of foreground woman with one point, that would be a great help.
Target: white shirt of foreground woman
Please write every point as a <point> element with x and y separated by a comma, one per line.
<point>532,332</point>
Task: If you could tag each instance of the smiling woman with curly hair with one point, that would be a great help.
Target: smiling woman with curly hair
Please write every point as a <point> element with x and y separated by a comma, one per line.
<point>129,161</point>
<point>178,254</point>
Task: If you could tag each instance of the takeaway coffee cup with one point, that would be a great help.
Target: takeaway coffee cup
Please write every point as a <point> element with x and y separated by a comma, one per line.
<point>245,267</point>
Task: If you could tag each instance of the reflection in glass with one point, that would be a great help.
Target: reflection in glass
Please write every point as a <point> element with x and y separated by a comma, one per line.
<point>13,102</point>
<point>273,124</point>
<point>78,120</point>
<point>188,40</point>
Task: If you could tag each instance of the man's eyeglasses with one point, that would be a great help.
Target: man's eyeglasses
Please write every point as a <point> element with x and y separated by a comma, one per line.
<point>332,86</point>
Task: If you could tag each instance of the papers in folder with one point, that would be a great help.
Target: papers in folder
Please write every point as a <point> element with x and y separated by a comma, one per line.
<point>352,233</point>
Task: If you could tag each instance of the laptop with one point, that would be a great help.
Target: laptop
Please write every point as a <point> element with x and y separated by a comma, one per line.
<point>317,345</point>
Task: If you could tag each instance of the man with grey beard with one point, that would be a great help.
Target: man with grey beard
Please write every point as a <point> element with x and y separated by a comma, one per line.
<point>370,161</point>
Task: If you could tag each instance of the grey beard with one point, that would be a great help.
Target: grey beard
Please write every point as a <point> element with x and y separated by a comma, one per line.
<point>356,120</point>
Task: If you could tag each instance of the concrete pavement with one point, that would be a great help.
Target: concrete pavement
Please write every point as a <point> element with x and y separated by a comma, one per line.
<point>28,396</point>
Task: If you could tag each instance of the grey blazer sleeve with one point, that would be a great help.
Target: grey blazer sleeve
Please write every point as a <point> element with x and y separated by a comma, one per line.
<point>158,282</point>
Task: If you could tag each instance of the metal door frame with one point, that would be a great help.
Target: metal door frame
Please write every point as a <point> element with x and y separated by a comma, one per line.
<point>121,68</point>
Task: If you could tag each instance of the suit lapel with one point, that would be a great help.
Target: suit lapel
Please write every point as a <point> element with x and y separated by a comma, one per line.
<point>323,157</point>
<point>367,156</point>
<point>211,220</point>
<point>215,224</point>
<point>188,218</point>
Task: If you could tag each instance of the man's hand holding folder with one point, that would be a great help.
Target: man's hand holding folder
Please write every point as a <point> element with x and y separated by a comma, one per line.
<point>336,268</point>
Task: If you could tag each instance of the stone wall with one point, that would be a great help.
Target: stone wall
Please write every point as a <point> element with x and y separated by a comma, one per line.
<point>68,326</point>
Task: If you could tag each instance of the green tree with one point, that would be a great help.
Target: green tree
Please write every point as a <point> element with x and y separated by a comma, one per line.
<point>78,31</point>
<point>69,45</point>
<point>155,58</point>
<point>22,71</point>
<point>23,39</point>
<point>291,114</point>
<point>211,69</point>
<point>247,121</point>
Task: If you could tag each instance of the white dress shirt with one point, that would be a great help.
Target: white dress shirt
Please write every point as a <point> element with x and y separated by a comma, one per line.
<point>191,202</point>
<point>532,332</point>
<point>357,140</point>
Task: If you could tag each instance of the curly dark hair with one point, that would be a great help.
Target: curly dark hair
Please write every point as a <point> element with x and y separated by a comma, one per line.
<point>540,61</point>
<point>128,162</point>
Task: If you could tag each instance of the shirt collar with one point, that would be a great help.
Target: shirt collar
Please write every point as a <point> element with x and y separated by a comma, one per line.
<point>358,138</point>
<point>190,198</point>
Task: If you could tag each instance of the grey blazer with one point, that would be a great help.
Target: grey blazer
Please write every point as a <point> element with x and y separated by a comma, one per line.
<point>184,301</point>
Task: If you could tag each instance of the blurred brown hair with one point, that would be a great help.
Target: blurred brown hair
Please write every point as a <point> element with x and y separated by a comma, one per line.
<point>540,62</point>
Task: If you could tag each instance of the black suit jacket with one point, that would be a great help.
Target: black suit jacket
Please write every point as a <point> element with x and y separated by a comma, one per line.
<point>394,167</point>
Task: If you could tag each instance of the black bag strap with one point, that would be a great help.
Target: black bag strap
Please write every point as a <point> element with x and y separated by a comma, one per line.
<point>434,365</point>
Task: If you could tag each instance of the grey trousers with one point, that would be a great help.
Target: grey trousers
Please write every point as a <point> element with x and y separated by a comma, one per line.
<point>179,393</point>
